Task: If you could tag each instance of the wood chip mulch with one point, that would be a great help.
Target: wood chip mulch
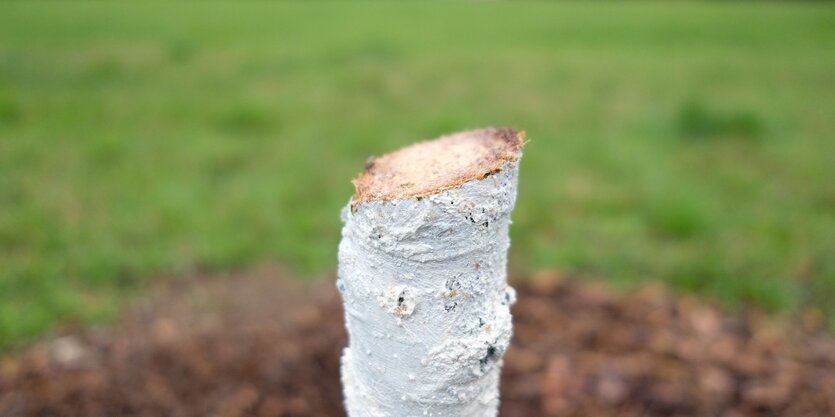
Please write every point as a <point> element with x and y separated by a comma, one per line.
<point>256,345</point>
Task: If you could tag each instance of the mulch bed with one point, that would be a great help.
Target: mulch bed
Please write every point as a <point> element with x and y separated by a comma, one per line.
<point>256,345</point>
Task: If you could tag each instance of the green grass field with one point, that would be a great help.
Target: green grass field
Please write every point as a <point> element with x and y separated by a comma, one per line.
<point>687,143</point>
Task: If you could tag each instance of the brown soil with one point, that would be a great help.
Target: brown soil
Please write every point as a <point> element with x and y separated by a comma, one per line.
<point>255,345</point>
<point>429,167</point>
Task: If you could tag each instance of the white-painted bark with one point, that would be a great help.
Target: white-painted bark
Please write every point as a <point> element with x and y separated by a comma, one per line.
<point>427,305</point>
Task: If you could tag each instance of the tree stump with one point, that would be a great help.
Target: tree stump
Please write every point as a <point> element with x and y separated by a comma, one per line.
<point>423,275</point>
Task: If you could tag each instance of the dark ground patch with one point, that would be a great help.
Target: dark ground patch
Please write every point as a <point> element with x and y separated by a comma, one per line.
<point>256,345</point>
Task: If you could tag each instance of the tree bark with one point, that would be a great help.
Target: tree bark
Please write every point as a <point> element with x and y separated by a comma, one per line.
<point>422,272</point>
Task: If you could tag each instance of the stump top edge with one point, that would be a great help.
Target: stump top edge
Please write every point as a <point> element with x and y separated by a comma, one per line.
<point>436,165</point>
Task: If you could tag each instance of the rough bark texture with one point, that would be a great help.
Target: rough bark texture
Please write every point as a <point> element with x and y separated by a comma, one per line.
<point>427,305</point>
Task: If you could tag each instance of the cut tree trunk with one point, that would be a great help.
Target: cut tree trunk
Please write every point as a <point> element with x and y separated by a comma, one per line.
<point>422,272</point>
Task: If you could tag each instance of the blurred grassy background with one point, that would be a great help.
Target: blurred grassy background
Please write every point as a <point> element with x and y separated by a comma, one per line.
<point>688,143</point>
